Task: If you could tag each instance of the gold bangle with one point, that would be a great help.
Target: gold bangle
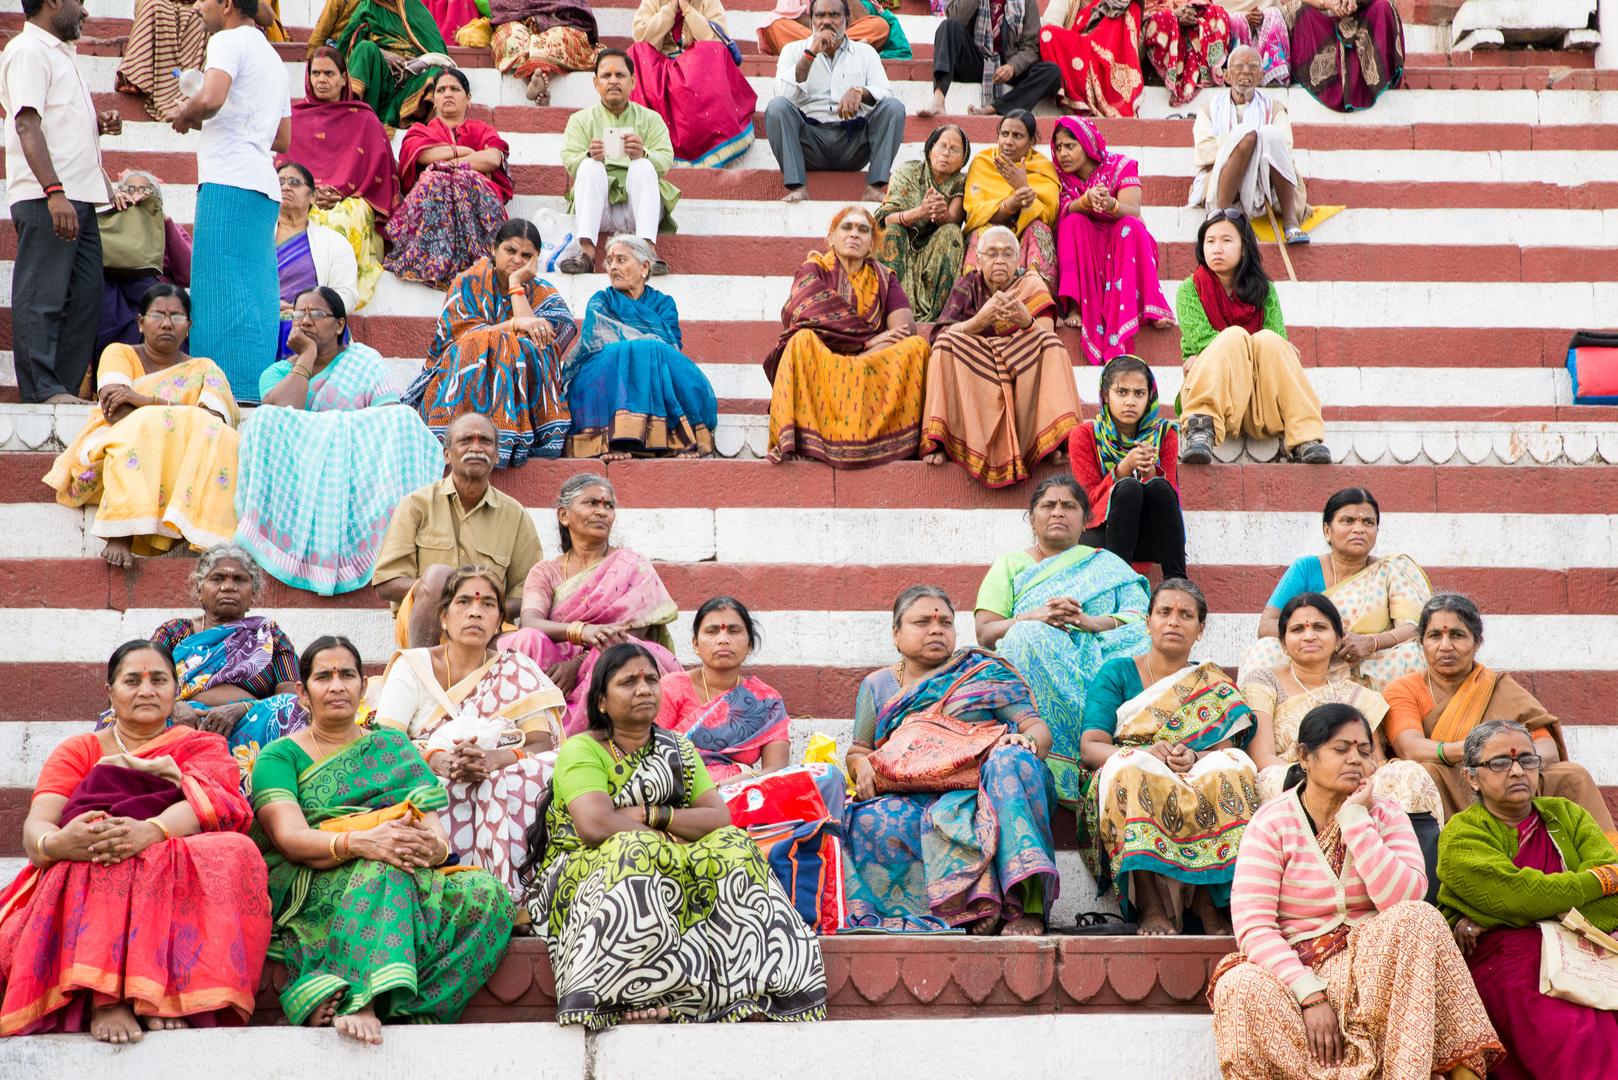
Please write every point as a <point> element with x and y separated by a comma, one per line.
<point>39,845</point>
<point>447,852</point>
<point>166,834</point>
<point>334,838</point>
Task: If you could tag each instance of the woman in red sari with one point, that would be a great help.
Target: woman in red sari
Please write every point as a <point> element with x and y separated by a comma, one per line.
<point>144,905</point>
<point>1096,43</point>
<point>1186,41</point>
<point>456,182</point>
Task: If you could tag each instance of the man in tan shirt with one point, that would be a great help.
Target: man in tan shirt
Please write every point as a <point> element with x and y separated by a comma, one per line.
<point>432,533</point>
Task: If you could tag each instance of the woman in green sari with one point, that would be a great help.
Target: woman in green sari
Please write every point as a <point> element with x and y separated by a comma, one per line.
<point>922,242</point>
<point>652,904</point>
<point>369,930</point>
<point>378,38</point>
<point>1058,611</point>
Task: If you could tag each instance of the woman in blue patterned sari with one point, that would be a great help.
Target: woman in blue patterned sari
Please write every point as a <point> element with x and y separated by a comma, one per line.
<point>498,351</point>
<point>1057,611</point>
<point>631,391</point>
<point>981,858</point>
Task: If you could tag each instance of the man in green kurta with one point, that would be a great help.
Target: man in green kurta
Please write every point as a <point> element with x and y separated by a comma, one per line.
<point>625,192</point>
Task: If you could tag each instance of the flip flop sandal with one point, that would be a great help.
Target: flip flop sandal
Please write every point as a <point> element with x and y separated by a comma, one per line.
<point>1098,924</point>
<point>1296,236</point>
<point>577,264</point>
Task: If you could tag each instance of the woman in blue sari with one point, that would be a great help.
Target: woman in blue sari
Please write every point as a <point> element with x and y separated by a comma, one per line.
<point>237,674</point>
<point>1057,611</point>
<point>631,392</point>
<point>305,509</point>
<point>982,858</point>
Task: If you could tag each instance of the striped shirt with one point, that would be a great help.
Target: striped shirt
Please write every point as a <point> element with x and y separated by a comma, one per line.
<point>1285,892</point>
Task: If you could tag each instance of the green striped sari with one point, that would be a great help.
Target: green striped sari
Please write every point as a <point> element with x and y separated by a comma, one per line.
<point>415,945</point>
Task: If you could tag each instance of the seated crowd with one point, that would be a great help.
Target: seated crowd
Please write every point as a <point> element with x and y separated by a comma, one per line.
<point>535,760</point>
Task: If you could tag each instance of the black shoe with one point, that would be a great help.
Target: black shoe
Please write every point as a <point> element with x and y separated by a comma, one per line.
<point>1313,452</point>
<point>1196,440</point>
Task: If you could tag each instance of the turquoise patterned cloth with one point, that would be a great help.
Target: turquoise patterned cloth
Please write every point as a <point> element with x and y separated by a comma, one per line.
<point>317,486</point>
<point>1059,663</point>
<point>235,289</point>
<point>931,862</point>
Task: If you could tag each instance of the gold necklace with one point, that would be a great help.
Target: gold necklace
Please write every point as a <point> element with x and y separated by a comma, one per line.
<point>899,672</point>
<point>1151,669</point>
<point>320,744</point>
<point>117,735</point>
<point>702,673</point>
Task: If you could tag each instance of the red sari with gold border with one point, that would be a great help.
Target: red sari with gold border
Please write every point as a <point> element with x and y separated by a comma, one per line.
<point>178,930</point>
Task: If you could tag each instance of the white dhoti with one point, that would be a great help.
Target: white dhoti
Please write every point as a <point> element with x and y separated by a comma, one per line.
<point>1257,187</point>
<point>639,214</point>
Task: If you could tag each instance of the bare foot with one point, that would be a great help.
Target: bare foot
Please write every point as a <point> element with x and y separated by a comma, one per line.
<point>539,88</point>
<point>325,1011</point>
<point>614,456</point>
<point>688,455</point>
<point>362,1025</point>
<point>1162,324</point>
<point>166,1023</point>
<point>1058,457</point>
<point>937,457</point>
<point>988,926</point>
<point>1074,320</point>
<point>115,1023</point>
<point>796,194</point>
<point>646,1016</point>
<point>119,553</point>
<point>1025,926</point>
<point>1156,925</point>
<point>1214,924</point>
<point>935,107</point>
<point>64,398</point>
<point>980,110</point>
<point>873,193</point>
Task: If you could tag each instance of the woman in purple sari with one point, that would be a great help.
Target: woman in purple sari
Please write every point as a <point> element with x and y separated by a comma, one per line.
<point>591,598</point>
<point>306,254</point>
<point>1346,52</point>
<point>1106,260</point>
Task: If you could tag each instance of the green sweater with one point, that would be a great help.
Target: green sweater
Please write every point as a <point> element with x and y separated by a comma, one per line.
<point>1197,333</point>
<point>1475,853</point>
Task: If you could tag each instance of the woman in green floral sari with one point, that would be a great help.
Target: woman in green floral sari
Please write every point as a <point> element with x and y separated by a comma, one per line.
<point>369,930</point>
<point>922,242</point>
<point>377,38</point>
<point>652,904</point>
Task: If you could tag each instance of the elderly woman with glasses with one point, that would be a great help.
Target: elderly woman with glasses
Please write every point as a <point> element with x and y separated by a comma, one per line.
<point>630,389</point>
<point>159,455</point>
<point>1506,862</point>
<point>138,193</point>
<point>307,515</point>
<point>307,254</point>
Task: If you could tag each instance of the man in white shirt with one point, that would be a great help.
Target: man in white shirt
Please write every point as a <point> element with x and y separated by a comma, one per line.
<point>833,110</point>
<point>245,112</point>
<point>54,183</point>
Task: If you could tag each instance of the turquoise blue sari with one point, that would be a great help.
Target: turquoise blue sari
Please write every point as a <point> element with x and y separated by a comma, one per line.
<point>1059,663</point>
<point>923,863</point>
<point>629,387</point>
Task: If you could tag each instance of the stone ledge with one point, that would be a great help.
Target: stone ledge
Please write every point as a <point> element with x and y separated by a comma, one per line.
<point>890,977</point>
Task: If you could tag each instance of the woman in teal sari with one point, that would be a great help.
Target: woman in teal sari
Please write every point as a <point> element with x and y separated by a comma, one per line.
<point>652,904</point>
<point>347,820</point>
<point>630,389</point>
<point>1057,611</point>
<point>982,858</point>
<point>377,38</point>
<point>307,510</point>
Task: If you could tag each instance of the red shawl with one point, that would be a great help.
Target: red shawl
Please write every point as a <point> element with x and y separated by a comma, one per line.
<point>822,300</point>
<point>343,144</point>
<point>471,133</point>
<point>1223,309</point>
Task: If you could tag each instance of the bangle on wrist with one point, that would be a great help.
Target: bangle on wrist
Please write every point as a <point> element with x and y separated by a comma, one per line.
<point>39,845</point>
<point>1442,760</point>
<point>53,189</point>
<point>166,834</point>
<point>333,849</point>
<point>1316,998</point>
<point>447,852</point>
<point>348,845</point>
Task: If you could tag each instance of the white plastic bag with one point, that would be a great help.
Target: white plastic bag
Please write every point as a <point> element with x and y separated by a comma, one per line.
<point>556,232</point>
<point>486,733</point>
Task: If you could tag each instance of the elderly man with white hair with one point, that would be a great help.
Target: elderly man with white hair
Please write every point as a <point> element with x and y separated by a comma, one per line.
<point>630,390</point>
<point>1243,142</point>
<point>1000,388</point>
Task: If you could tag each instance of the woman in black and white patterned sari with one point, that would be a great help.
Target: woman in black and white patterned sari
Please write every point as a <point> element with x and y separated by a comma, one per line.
<point>652,904</point>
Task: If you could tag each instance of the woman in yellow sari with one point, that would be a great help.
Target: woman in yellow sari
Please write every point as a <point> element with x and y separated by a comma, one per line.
<point>168,423</point>
<point>849,371</point>
<point>1016,186</point>
<point>1379,597</point>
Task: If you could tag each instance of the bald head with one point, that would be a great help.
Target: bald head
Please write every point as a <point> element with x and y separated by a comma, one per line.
<point>1244,70</point>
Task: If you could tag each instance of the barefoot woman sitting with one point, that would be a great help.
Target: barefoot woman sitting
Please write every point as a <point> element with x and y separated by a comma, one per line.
<point>369,930</point>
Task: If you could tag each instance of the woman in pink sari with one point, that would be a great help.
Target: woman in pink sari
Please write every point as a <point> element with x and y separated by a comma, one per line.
<point>1106,260</point>
<point>591,598</point>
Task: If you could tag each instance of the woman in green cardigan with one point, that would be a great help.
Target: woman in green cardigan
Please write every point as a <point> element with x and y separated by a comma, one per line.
<point>1506,862</point>
<point>1241,373</point>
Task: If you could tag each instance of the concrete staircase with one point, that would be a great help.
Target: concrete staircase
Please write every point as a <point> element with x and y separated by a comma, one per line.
<point>1433,315</point>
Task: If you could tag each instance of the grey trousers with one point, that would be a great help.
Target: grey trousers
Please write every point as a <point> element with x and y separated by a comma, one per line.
<point>800,144</point>
<point>55,300</point>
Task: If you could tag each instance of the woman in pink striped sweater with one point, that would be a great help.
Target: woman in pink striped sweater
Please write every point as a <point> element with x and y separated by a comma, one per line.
<point>1343,971</point>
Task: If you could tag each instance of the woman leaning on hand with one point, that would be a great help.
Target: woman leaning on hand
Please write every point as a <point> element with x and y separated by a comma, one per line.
<point>1343,971</point>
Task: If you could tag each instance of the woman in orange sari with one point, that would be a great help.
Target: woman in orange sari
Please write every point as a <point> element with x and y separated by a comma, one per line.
<point>849,369</point>
<point>136,829</point>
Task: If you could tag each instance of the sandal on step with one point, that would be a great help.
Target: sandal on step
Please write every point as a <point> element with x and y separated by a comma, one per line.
<point>1099,924</point>
<point>577,264</point>
<point>1296,236</point>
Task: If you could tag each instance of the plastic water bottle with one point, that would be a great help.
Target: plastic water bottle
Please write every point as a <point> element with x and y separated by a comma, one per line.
<point>190,81</point>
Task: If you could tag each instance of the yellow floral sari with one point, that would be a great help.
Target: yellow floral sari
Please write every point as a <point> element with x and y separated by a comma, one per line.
<point>164,472</point>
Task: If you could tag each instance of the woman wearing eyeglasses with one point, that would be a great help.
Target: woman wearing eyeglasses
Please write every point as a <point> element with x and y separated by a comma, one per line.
<point>1506,862</point>
<point>307,515</point>
<point>306,254</point>
<point>1431,712</point>
<point>160,453</point>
